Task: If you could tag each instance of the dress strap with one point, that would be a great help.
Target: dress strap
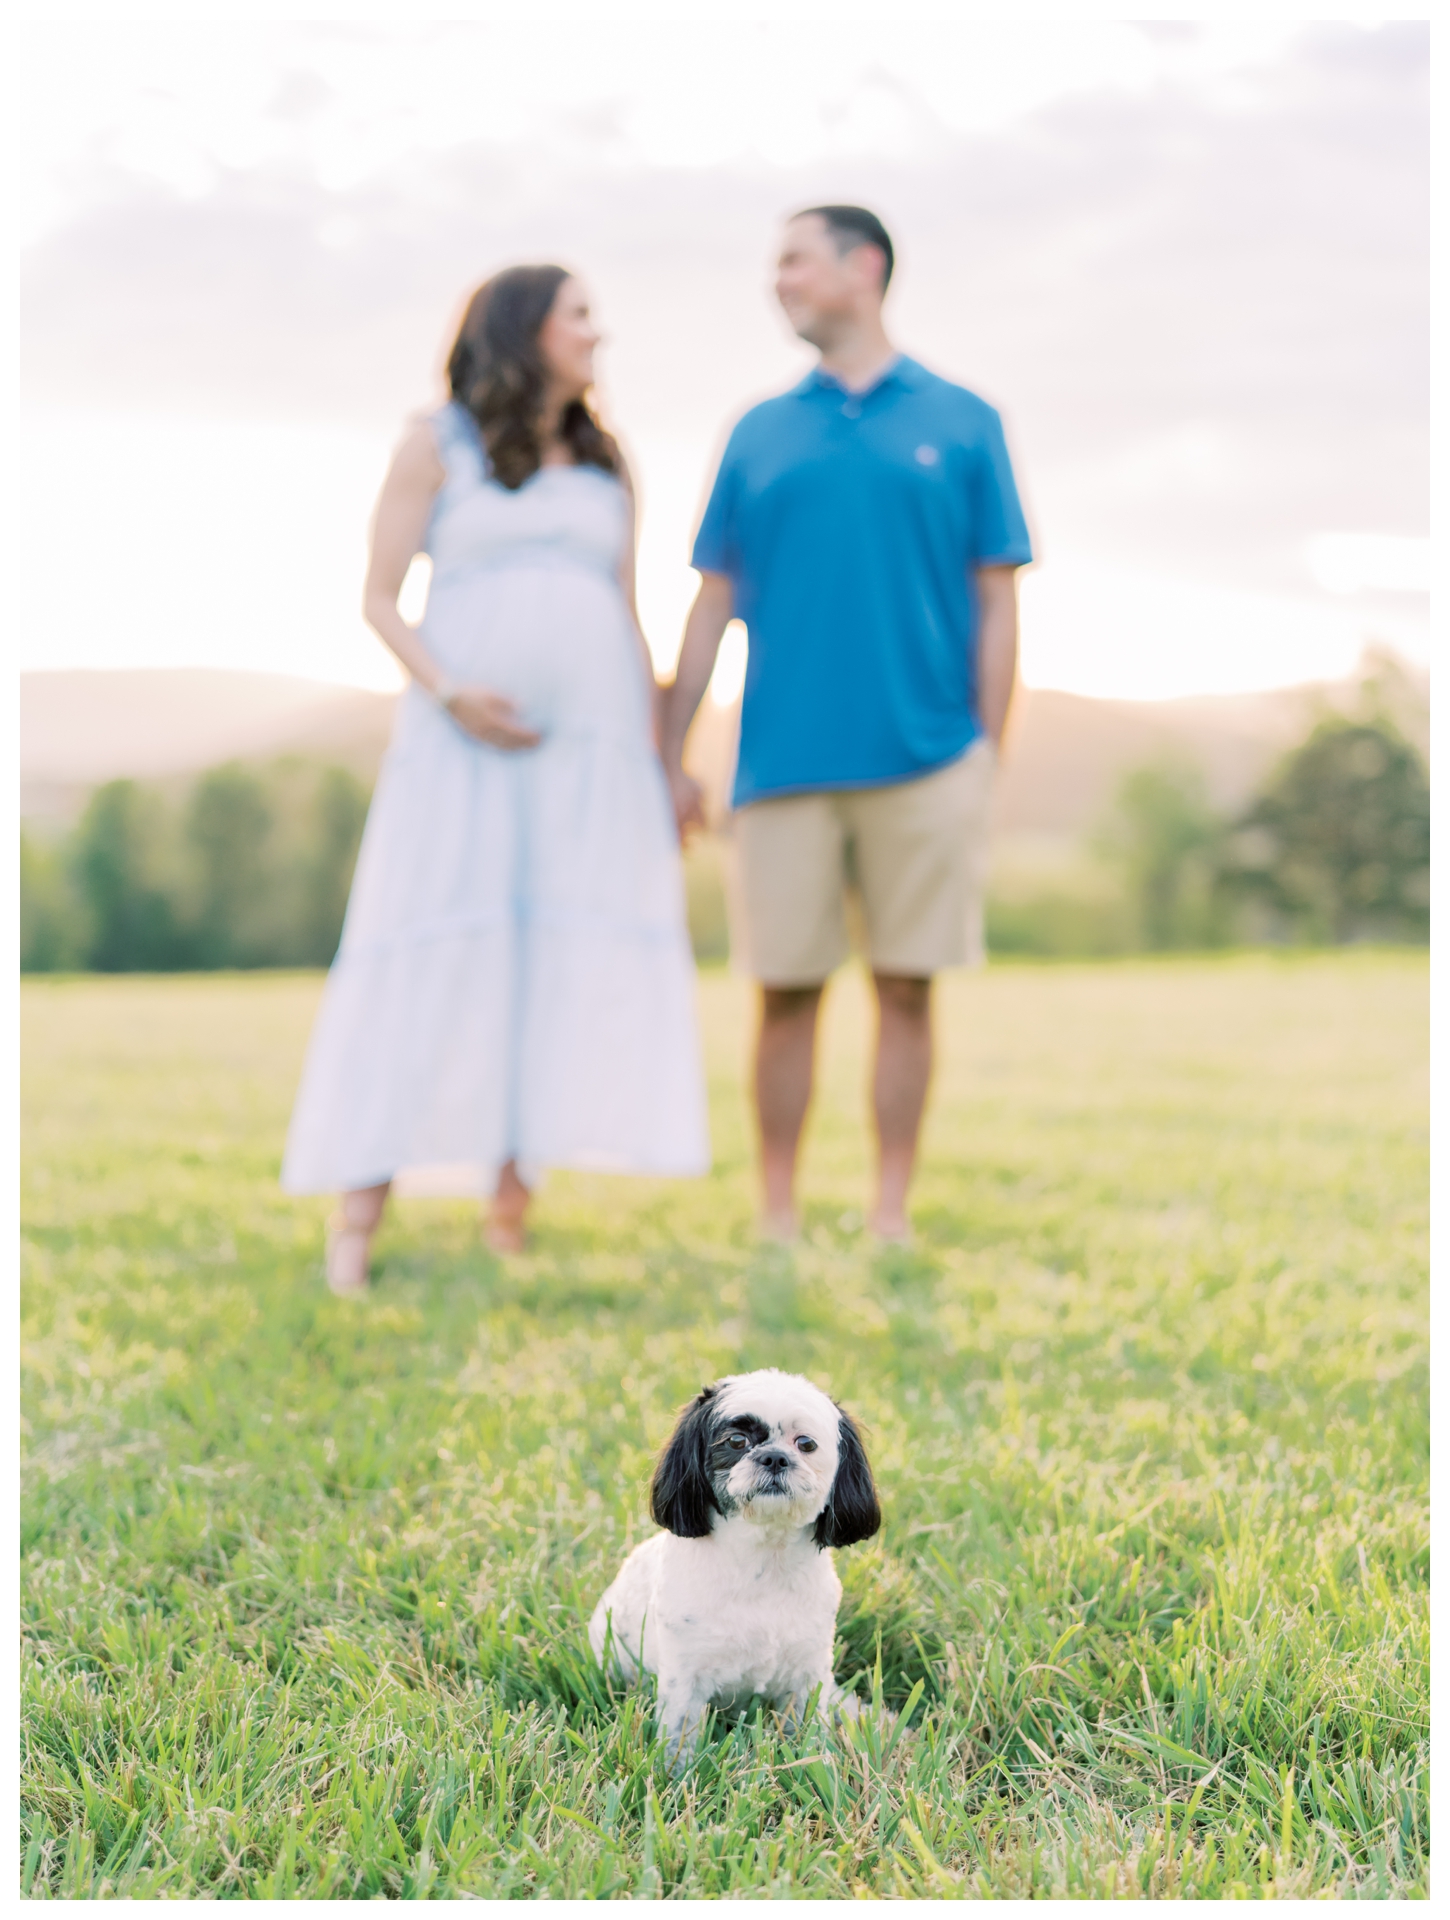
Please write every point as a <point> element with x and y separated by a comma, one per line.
<point>460,446</point>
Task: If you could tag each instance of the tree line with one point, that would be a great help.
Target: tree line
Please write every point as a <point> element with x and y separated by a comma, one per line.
<point>1333,847</point>
<point>251,867</point>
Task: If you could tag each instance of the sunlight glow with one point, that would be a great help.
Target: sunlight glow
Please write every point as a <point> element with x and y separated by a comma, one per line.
<point>727,682</point>
<point>1117,633</point>
<point>209,543</point>
<point>413,594</point>
<point>1369,562</point>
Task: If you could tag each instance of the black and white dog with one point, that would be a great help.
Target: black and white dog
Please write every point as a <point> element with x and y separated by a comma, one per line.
<point>738,1596</point>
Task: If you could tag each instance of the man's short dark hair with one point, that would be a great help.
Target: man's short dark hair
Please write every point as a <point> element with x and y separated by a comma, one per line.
<point>854,227</point>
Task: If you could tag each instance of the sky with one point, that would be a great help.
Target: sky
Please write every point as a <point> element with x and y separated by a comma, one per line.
<point>1189,264</point>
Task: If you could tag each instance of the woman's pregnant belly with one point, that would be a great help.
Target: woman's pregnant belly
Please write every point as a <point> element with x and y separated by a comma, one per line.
<point>556,639</point>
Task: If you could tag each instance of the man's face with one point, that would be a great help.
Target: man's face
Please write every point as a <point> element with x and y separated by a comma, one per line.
<point>819,287</point>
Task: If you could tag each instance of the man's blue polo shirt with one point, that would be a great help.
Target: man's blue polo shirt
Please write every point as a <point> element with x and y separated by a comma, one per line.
<point>849,525</point>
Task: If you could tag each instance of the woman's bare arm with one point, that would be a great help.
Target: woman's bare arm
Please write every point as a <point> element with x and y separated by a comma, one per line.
<point>704,630</point>
<point>399,524</point>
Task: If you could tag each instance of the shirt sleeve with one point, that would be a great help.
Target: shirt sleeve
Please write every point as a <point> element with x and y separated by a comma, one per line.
<point>717,544</point>
<point>998,530</point>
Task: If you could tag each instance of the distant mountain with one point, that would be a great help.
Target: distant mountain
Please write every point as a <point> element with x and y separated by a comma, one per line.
<point>79,729</point>
<point>1064,756</point>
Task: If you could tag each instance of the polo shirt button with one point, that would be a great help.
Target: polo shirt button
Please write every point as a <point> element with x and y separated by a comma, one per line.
<point>852,409</point>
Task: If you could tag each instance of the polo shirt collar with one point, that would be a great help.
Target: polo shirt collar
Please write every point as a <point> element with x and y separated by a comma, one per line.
<point>902,372</point>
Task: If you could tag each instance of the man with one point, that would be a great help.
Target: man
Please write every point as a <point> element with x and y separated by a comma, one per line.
<point>866,529</point>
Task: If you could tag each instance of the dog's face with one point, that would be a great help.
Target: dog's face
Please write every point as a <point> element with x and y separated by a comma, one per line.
<point>773,1449</point>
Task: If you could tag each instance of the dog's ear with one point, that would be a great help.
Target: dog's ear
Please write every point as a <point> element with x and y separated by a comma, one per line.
<point>681,1497</point>
<point>853,1511</point>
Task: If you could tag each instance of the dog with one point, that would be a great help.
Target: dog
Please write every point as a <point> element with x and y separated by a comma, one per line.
<point>737,1597</point>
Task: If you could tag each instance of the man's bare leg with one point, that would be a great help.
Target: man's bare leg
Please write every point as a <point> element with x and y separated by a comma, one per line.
<point>899,1084</point>
<point>784,1062</point>
<point>503,1230</point>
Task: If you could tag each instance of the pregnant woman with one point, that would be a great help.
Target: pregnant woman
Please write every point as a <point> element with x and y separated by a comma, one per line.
<point>514,987</point>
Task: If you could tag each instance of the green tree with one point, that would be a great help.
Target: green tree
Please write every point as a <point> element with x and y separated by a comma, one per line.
<point>228,826</point>
<point>252,871</point>
<point>339,808</point>
<point>51,936</point>
<point>131,920</point>
<point>1338,841</point>
<point>1164,836</point>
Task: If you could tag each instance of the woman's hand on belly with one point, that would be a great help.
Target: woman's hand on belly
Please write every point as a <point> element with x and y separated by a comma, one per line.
<point>492,718</point>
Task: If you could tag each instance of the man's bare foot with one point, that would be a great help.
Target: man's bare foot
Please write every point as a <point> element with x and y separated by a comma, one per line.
<point>782,1228</point>
<point>891,1229</point>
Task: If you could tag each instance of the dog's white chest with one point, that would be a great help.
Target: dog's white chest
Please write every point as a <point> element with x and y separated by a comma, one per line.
<point>754,1624</point>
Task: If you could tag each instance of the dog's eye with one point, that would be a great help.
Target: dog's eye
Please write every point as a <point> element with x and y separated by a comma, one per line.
<point>739,1442</point>
<point>806,1444</point>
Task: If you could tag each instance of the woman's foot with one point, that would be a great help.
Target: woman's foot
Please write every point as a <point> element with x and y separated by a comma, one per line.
<point>347,1259</point>
<point>499,1238</point>
<point>350,1237</point>
<point>503,1229</point>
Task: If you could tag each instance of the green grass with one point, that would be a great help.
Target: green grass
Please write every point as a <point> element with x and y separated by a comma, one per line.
<point>305,1581</point>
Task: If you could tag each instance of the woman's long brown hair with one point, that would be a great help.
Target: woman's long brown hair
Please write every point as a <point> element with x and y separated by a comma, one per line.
<point>496,371</point>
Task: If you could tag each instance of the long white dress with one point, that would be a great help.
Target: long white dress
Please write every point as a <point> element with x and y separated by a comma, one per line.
<point>514,978</point>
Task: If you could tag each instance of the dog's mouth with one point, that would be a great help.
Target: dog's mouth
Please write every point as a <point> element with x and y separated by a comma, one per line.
<point>772,1485</point>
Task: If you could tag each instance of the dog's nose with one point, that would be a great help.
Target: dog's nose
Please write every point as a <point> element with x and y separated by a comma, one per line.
<point>775,1458</point>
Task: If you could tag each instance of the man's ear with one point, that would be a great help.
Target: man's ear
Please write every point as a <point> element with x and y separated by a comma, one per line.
<point>681,1497</point>
<point>853,1511</point>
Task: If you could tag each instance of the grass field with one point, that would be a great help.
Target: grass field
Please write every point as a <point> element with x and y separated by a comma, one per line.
<point>305,1581</point>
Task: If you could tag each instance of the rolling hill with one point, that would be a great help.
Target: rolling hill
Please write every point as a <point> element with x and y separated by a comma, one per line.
<point>1064,755</point>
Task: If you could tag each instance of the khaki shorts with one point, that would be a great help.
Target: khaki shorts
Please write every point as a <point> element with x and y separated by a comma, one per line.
<point>916,853</point>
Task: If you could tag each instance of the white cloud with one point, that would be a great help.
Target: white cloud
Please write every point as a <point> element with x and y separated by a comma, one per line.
<point>181,103</point>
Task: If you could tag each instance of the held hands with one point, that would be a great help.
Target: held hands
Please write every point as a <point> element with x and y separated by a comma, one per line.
<point>491,718</point>
<point>688,797</point>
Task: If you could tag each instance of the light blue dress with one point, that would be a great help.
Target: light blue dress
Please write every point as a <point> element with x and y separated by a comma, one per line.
<point>515,977</point>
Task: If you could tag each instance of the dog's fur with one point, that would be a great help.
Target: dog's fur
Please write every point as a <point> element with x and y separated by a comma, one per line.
<point>738,1596</point>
